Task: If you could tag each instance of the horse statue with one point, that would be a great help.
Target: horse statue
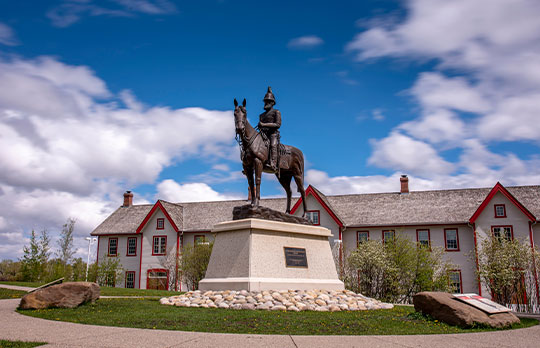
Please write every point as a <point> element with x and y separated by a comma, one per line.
<point>254,155</point>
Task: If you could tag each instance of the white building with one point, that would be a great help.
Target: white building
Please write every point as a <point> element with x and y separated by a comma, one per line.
<point>143,235</point>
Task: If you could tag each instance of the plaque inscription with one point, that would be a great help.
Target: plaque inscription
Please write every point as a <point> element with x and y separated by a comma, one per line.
<point>295,257</point>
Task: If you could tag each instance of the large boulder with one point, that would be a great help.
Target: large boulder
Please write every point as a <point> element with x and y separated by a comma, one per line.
<point>446,308</point>
<point>66,295</point>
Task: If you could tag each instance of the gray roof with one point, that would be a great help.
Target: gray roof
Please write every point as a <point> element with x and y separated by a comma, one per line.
<point>379,209</point>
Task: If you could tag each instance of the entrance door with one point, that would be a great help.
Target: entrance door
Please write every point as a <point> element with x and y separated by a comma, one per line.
<point>157,279</point>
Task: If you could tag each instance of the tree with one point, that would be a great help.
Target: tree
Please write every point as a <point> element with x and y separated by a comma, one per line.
<point>35,257</point>
<point>171,262</point>
<point>109,272</point>
<point>10,270</point>
<point>508,269</point>
<point>194,262</point>
<point>65,245</point>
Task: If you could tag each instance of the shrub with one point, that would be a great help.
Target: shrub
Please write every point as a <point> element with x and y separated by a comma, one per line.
<point>194,262</point>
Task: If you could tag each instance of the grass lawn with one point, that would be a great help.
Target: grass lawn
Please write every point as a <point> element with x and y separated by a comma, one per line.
<point>19,344</point>
<point>149,314</point>
<point>106,291</point>
<point>8,293</point>
<point>28,284</point>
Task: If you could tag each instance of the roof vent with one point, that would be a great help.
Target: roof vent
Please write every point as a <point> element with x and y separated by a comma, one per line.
<point>404,184</point>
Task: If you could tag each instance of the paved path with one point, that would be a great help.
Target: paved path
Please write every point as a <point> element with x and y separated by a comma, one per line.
<point>16,287</point>
<point>15,326</point>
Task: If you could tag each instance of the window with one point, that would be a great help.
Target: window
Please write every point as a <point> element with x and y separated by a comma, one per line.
<point>131,246</point>
<point>113,247</point>
<point>454,278</point>
<point>388,236</point>
<point>130,279</point>
<point>422,237</point>
<point>160,245</point>
<point>503,232</point>
<point>500,211</point>
<point>313,216</point>
<point>199,239</point>
<point>451,239</point>
<point>362,236</point>
<point>160,224</point>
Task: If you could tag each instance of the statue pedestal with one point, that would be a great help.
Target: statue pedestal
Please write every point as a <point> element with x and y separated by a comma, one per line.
<point>256,255</point>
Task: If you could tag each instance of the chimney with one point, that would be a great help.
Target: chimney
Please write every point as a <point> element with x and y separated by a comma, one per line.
<point>404,184</point>
<point>128,199</point>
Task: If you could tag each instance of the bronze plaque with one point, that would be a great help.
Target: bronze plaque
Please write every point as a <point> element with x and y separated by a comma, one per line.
<point>295,257</point>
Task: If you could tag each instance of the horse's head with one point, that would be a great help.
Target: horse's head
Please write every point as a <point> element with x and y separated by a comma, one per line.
<point>240,116</point>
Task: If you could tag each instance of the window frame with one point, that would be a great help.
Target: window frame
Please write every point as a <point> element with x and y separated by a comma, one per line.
<point>429,237</point>
<point>157,270</point>
<point>446,240</point>
<point>318,217</point>
<point>393,235</point>
<point>127,248</point>
<point>109,247</point>
<point>458,271</point>
<point>154,245</point>
<point>126,282</point>
<point>495,211</point>
<point>358,237</point>
<point>158,221</point>
<point>199,235</point>
<point>504,226</point>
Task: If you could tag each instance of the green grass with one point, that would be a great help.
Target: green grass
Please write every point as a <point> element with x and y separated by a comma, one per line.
<point>19,344</point>
<point>8,293</point>
<point>149,314</point>
<point>106,291</point>
<point>28,284</point>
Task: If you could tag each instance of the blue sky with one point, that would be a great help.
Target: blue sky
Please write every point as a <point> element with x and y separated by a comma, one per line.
<point>97,97</point>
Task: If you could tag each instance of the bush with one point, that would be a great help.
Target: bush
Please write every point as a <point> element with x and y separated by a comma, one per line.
<point>194,262</point>
<point>396,270</point>
<point>108,272</point>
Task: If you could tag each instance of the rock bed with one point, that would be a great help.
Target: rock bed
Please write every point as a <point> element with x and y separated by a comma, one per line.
<point>287,300</point>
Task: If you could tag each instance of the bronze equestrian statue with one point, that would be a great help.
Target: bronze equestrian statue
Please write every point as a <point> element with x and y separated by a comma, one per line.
<point>254,153</point>
<point>269,123</point>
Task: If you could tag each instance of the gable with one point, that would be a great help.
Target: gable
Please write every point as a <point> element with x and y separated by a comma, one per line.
<point>157,207</point>
<point>310,191</point>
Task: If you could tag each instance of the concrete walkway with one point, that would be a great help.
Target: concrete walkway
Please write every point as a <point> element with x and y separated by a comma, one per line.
<point>14,326</point>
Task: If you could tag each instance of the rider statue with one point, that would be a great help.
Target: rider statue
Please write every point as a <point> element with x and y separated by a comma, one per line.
<point>269,123</point>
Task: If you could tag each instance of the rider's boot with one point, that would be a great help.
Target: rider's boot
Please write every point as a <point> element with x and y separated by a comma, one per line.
<point>273,158</point>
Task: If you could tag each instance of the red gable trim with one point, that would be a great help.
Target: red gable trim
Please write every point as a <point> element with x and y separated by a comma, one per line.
<point>311,191</point>
<point>156,206</point>
<point>500,188</point>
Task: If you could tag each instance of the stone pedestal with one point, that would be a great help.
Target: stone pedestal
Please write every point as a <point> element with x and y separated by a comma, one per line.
<point>249,254</point>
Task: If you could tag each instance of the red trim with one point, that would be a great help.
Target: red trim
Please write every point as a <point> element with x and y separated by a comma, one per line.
<point>318,216</point>
<point>406,225</point>
<point>495,210</point>
<point>127,249</point>
<point>511,230</point>
<point>109,248</point>
<point>198,235</point>
<point>393,232</point>
<point>534,262</point>
<point>476,259</point>
<point>157,270</point>
<point>460,279</point>
<point>140,263</point>
<point>500,188</point>
<point>152,211</point>
<point>311,191</point>
<point>114,234</point>
<point>125,282</point>
<point>176,262</point>
<point>154,244</point>
<point>445,240</point>
<point>428,236</point>
<point>196,231</point>
<point>358,239</point>
<point>162,220</point>
<point>97,251</point>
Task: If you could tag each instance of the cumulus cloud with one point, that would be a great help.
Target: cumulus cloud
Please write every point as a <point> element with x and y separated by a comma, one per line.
<point>71,11</point>
<point>70,147</point>
<point>7,36</point>
<point>172,191</point>
<point>309,41</point>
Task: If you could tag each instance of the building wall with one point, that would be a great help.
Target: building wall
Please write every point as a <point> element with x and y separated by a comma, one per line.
<point>461,258</point>
<point>149,261</point>
<point>129,263</point>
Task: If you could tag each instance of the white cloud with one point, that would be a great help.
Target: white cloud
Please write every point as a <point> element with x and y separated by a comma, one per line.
<point>68,149</point>
<point>172,191</point>
<point>437,126</point>
<point>400,152</point>
<point>378,115</point>
<point>71,11</point>
<point>305,42</point>
<point>7,36</point>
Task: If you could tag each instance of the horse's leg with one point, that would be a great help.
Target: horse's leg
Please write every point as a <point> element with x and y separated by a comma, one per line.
<point>299,179</point>
<point>248,170</point>
<point>285,181</point>
<point>258,173</point>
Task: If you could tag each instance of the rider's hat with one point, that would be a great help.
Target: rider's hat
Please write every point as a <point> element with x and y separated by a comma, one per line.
<point>269,95</point>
